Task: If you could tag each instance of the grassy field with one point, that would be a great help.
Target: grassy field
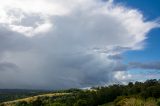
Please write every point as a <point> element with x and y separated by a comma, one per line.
<point>34,98</point>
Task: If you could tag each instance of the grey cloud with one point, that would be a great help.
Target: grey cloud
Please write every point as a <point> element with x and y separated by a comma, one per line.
<point>145,65</point>
<point>137,65</point>
<point>115,49</point>
<point>5,66</point>
<point>12,41</point>
<point>120,67</point>
<point>115,57</point>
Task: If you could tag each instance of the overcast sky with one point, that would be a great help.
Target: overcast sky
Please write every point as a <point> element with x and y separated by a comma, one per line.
<point>55,44</point>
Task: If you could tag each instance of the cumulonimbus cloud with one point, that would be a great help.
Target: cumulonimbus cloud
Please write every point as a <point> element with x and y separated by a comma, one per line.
<point>63,44</point>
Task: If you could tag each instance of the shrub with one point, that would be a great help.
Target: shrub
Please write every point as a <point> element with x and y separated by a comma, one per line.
<point>81,103</point>
<point>158,102</point>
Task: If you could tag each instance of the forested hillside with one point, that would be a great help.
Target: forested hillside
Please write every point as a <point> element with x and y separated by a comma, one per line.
<point>134,94</point>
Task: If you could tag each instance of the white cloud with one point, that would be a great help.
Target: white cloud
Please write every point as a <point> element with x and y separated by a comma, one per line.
<point>78,36</point>
<point>13,12</point>
<point>123,76</point>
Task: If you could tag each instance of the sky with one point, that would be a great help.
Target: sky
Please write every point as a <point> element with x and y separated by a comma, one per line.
<point>60,44</point>
<point>150,53</point>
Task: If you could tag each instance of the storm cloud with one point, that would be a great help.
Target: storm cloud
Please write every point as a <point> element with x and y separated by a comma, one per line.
<point>63,44</point>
